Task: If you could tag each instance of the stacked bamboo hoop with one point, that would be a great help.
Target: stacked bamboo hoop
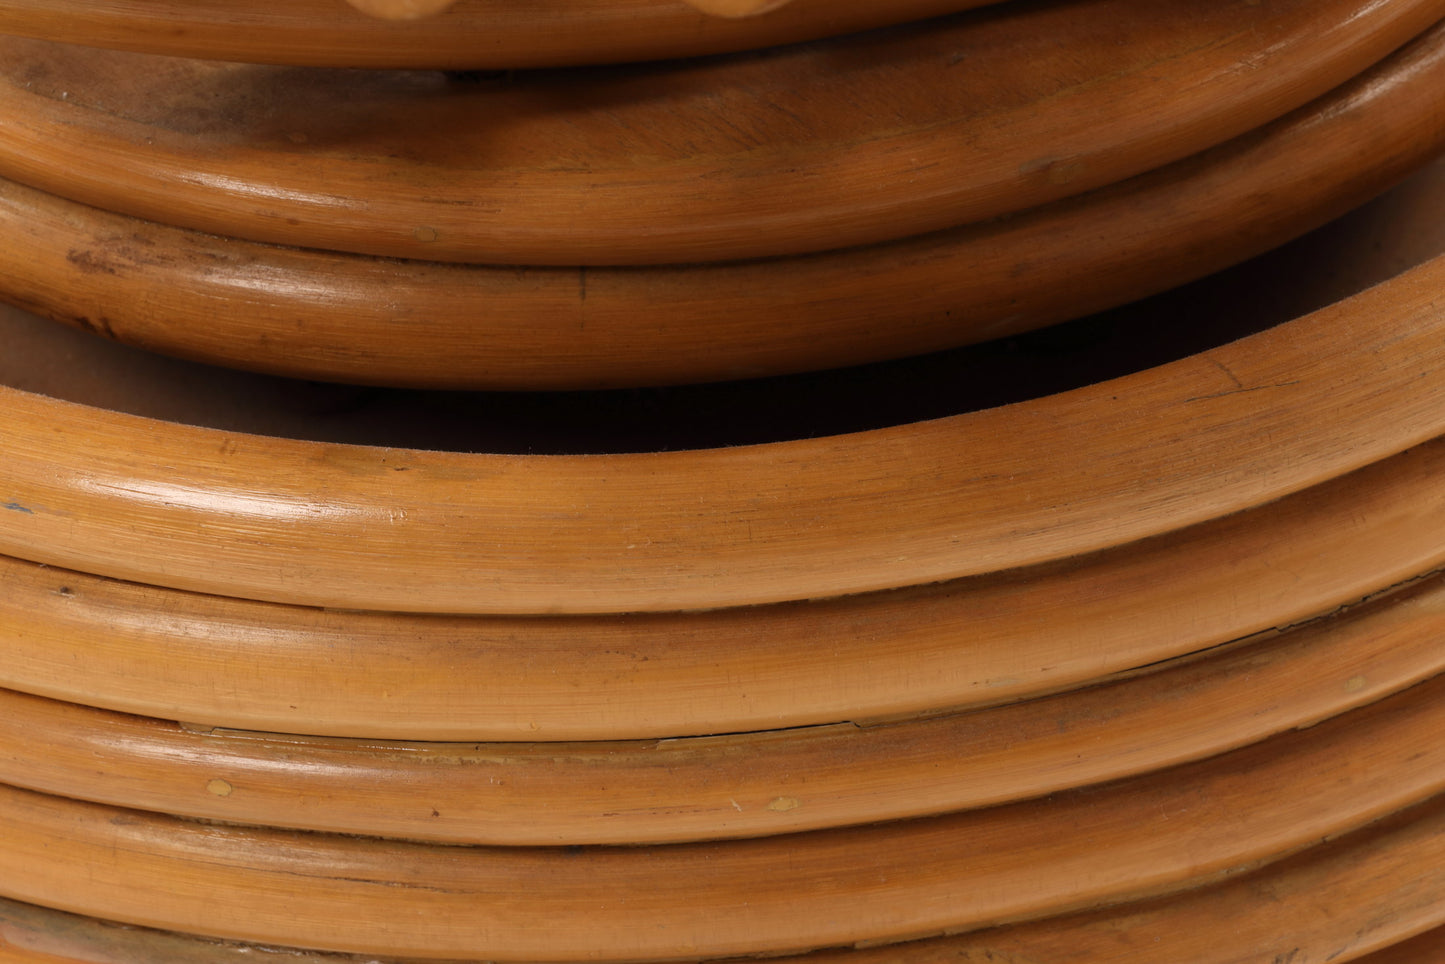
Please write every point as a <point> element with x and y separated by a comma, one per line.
<point>1144,670</point>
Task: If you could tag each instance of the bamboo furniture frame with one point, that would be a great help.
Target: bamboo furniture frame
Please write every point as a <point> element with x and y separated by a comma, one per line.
<point>639,171</point>
<point>746,785</point>
<point>1149,835</point>
<point>476,34</point>
<point>318,315</point>
<point>1088,676</point>
<point>737,8</point>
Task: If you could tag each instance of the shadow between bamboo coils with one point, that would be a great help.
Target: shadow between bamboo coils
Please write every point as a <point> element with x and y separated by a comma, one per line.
<point>1384,471</point>
<point>416,323</point>
<point>76,637</point>
<point>406,530</point>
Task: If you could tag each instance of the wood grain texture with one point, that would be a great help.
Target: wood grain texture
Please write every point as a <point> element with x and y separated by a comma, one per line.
<point>323,315</point>
<point>474,34</point>
<point>406,530</point>
<point>868,138</point>
<point>735,786</point>
<point>1136,838</point>
<point>1360,898</point>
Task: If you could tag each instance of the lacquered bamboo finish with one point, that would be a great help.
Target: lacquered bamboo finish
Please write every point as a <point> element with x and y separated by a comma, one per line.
<point>928,127</point>
<point>401,9</point>
<point>318,315</point>
<point>1146,836</point>
<point>970,643</point>
<point>1144,671</point>
<point>407,530</point>
<point>1361,898</point>
<point>735,786</point>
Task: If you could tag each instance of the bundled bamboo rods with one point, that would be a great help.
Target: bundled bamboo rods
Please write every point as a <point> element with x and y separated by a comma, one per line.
<point>726,787</point>
<point>408,530</point>
<point>640,170</point>
<point>1362,897</point>
<point>419,323</point>
<point>1154,834</point>
<point>976,642</point>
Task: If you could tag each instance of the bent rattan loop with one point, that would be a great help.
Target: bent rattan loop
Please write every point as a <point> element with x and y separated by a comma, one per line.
<point>407,530</point>
<point>872,138</point>
<point>738,786</point>
<point>1366,893</point>
<point>226,662</point>
<point>424,324</point>
<point>1149,835</point>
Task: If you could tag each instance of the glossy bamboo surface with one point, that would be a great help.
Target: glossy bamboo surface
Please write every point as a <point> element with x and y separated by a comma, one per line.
<point>408,530</point>
<point>733,786</point>
<point>737,8</point>
<point>1358,898</point>
<point>401,9</point>
<point>1149,835</point>
<point>870,138</point>
<point>253,666</point>
<point>475,34</point>
<point>83,639</point>
<point>319,315</point>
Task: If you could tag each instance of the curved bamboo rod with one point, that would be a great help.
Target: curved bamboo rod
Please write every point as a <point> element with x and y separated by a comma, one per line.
<point>477,34</point>
<point>401,9</point>
<point>1366,894</point>
<point>871,138</point>
<point>1362,898</point>
<point>748,785</point>
<point>737,8</point>
<point>976,642</point>
<point>406,530</point>
<point>412,323</point>
<point>1136,838</point>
